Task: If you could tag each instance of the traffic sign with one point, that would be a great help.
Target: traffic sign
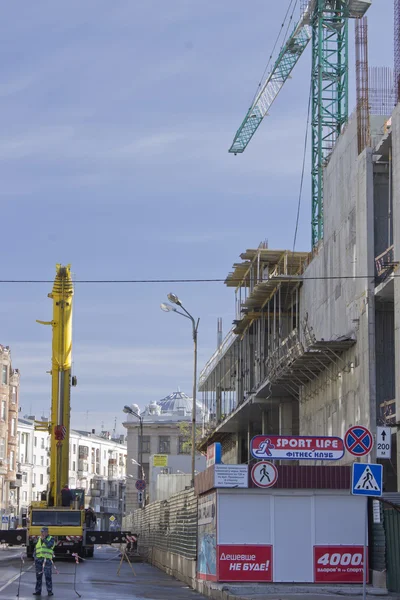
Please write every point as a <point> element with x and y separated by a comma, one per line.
<point>367,480</point>
<point>4,518</point>
<point>294,447</point>
<point>358,440</point>
<point>112,518</point>
<point>140,485</point>
<point>264,474</point>
<point>140,497</point>
<point>383,442</point>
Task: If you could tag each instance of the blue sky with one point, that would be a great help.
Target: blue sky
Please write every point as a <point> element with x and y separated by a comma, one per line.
<point>116,119</point>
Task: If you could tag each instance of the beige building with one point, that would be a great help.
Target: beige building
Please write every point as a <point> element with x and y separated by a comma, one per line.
<point>9,473</point>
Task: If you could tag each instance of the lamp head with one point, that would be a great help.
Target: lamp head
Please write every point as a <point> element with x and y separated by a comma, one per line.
<point>174,299</point>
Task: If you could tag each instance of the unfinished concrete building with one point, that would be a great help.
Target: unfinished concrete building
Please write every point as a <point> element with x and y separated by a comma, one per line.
<point>313,346</point>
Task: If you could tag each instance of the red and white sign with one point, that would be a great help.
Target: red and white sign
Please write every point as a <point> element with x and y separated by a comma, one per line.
<point>245,563</point>
<point>293,447</point>
<point>264,474</point>
<point>338,564</point>
<point>358,440</point>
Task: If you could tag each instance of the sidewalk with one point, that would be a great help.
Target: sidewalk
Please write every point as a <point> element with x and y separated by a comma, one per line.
<point>221,591</point>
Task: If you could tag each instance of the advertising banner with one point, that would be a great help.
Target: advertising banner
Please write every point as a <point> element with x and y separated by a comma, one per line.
<point>207,537</point>
<point>294,447</point>
<point>245,563</point>
<point>338,564</point>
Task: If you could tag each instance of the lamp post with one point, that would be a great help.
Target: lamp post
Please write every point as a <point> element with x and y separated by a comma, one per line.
<point>128,410</point>
<point>195,325</point>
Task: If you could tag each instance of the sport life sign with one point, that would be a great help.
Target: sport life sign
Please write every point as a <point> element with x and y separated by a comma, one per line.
<point>292,447</point>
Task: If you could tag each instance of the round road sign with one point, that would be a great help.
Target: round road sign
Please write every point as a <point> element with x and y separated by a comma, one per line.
<point>140,485</point>
<point>358,440</point>
<point>264,474</point>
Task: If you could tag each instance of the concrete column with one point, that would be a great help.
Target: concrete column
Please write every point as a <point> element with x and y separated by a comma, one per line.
<point>285,418</point>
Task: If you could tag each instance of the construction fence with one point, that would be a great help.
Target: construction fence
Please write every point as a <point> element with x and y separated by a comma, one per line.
<point>169,526</point>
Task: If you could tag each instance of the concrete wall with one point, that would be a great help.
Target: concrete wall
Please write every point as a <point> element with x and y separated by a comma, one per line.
<point>345,394</point>
<point>178,566</point>
<point>396,241</point>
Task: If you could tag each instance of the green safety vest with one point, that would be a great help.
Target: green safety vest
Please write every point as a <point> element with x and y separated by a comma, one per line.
<point>42,551</point>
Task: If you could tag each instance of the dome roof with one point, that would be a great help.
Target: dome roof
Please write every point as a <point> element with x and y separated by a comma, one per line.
<point>178,401</point>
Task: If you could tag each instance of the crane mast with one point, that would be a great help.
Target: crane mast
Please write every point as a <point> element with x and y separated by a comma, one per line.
<point>59,427</point>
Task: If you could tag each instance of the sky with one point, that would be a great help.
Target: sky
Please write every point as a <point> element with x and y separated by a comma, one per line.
<point>116,119</point>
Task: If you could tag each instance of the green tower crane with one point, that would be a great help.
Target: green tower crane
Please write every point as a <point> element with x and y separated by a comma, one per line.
<point>325,22</point>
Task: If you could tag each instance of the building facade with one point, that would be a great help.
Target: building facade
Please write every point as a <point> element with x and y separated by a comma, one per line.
<point>9,396</point>
<point>166,431</point>
<point>97,465</point>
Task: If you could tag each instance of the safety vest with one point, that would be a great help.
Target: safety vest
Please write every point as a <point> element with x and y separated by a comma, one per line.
<point>42,551</point>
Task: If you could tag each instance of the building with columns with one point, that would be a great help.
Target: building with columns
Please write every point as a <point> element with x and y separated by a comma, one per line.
<point>162,434</point>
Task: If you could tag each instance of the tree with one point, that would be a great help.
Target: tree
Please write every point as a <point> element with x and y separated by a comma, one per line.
<point>185,430</point>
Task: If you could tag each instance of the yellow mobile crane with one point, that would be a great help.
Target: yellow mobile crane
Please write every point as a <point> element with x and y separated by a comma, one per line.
<point>66,524</point>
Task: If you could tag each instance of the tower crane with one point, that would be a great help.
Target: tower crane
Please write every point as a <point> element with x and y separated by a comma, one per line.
<point>325,23</point>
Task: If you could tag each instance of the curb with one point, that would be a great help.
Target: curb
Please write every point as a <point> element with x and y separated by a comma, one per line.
<point>222,593</point>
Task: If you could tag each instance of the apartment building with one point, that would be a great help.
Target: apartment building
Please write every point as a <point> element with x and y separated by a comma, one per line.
<point>97,465</point>
<point>9,474</point>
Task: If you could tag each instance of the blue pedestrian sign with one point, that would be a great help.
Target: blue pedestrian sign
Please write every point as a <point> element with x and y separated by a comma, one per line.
<point>4,518</point>
<point>367,480</point>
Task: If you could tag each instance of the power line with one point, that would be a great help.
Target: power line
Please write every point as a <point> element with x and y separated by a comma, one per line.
<point>211,280</point>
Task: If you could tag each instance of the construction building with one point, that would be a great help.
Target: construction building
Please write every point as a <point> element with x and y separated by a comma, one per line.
<point>10,477</point>
<point>315,338</point>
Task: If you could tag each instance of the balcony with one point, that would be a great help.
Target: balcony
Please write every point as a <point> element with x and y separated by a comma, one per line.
<point>385,266</point>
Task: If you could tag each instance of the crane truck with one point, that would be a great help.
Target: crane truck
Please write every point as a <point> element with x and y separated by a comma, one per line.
<point>66,523</point>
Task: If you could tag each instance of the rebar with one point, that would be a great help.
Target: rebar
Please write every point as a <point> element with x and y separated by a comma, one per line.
<point>363,120</point>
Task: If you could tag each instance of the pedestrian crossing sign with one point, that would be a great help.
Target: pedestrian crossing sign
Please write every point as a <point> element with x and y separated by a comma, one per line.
<point>367,480</point>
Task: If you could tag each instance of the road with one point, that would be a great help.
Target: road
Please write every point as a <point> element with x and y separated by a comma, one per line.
<point>96,579</point>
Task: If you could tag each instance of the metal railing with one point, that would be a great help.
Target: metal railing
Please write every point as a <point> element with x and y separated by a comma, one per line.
<point>216,357</point>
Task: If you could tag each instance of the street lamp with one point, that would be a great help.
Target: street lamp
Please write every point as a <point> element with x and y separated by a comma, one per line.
<point>195,325</point>
<point>129,411</point>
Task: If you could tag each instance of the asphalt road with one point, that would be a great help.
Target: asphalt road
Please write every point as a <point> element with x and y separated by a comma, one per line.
<point>96,579</point>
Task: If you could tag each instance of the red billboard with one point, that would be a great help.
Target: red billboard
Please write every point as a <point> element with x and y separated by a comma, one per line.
<point>245,563</point>
<point>338,564</point>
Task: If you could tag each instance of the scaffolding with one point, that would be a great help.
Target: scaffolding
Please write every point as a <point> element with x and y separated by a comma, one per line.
<point>268,350</point>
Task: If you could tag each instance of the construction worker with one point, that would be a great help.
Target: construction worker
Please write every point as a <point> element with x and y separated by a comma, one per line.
<point>66,496</point>
<point>43,555</point>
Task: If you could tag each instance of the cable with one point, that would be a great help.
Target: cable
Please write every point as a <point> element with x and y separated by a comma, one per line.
<point>303,167</point>
<point>216,280</point>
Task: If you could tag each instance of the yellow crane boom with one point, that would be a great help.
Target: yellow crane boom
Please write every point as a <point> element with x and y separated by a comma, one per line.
<point>59,427</point>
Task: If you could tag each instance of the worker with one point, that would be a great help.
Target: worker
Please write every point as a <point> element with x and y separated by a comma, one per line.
<point>90,517</point>
<point>66,496</point>
<point>43,555</point>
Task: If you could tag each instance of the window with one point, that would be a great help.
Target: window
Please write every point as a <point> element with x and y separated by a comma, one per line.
<point>34,478</point>
<point>35,441</point>
<point>4,374</point>
<point>83,451</point>
<point>34,459</point>
<point>41,479</point>
<point>73,465</point>
<point>42,443</point>
<point>48,462</point>
<point>25,496</point>
<point>74,449</point>
<point>146,444</point>
<point>105,455</point>
<point>3,410</point>
<point>22,458</point>
<point>42,461</point>
<point>13,394</point>
<point>12,460</point>
<point>25,478</point>
<point>2,447</point>
<point>13,427</point>
<point>184,445</point>
<point>164,444</point>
